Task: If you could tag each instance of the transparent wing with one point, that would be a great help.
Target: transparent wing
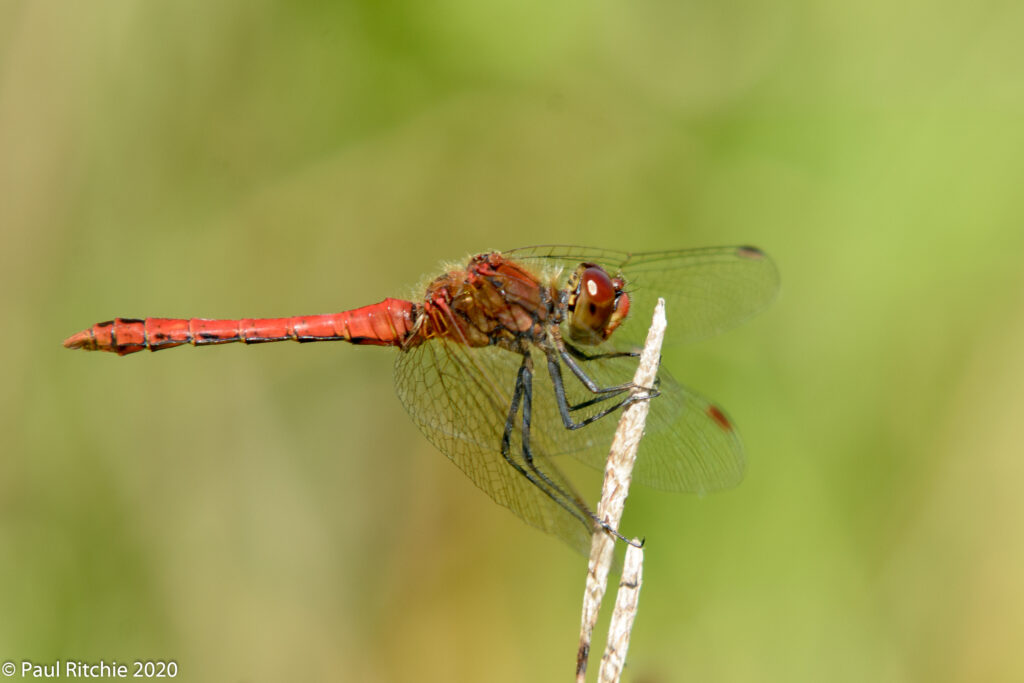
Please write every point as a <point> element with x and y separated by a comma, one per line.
<point>706,291</point>
<point>689,443</point>
<point>460,398</point>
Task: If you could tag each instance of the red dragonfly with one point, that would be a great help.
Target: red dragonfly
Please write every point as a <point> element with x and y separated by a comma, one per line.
<point>466,371</point>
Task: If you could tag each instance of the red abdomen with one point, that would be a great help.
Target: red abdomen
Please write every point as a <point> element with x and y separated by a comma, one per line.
<point>388,323</point>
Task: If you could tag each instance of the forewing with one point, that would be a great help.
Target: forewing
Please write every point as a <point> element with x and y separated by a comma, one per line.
<point>706,291</point>
<point>460,399</point>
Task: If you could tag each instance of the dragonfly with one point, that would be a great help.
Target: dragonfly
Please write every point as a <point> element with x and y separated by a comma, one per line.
<point>520,357</point>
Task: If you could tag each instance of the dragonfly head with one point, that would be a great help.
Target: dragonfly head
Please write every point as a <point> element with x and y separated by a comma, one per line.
<point>597,304</point>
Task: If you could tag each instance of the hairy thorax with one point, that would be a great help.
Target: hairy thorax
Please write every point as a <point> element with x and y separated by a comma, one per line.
<point>492,302</point>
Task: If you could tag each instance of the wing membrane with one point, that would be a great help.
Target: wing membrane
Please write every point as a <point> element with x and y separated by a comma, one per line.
<point>460,398</point>
<point>706,291</point>
<point>689,443</point>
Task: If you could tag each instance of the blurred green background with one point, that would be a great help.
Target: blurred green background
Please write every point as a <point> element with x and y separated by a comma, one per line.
<point>270,513</point>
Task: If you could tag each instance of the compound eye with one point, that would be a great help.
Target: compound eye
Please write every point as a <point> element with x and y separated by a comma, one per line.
<point>594,305</point>
<point>597,287</point>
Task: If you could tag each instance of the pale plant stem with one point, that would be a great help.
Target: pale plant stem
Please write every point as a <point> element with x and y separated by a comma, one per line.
<point>621,625</point>
<point>617,475</point>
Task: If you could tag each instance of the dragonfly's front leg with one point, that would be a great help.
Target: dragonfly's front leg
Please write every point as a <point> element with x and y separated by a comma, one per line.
<point>604,393</point>
<point>580,354</point>
<point>569,354</point>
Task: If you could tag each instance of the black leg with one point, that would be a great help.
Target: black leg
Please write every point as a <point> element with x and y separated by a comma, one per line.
<point>565,410</point>
<point>526,371</point>
<point>580,354</point>
<point>592,402</point>
<point>583,377</point>
<point>513,410</point>
<point>523,393</point>
<point>580,507</point>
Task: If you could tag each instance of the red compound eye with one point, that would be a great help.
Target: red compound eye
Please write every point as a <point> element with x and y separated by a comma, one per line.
<point>597,287</point>
<point>593,305</point>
